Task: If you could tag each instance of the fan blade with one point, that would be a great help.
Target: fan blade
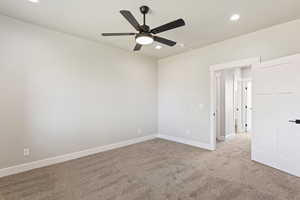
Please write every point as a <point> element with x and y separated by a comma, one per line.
<point>131,19</point>
<point>137,47</point>
<point>117,34</point>
<point>164,41</point>
<point>168,26</point>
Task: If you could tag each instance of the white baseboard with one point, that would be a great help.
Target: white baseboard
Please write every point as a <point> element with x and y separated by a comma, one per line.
<point>221,138</point>
<point>59,159</point>
<point>186,141</point>
<point>63,158</point>
<point>230,136</point>
<point>227,137</point>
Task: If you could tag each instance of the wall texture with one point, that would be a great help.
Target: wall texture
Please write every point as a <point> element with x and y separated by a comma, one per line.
<point>184,80</point>
<point>61,94</point>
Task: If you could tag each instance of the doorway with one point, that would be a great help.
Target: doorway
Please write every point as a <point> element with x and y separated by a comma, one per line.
<point>231,100</point>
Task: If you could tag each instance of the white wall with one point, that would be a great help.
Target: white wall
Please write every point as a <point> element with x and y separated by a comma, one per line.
<point>61,94</point>
<point>184,80</point>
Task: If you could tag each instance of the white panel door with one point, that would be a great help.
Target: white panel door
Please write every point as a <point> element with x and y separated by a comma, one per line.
<point>248,107</point>
<point>239,107</point>
<point>276,104</point>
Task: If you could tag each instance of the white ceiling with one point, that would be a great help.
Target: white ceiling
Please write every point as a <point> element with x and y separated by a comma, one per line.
<point>206,21</point>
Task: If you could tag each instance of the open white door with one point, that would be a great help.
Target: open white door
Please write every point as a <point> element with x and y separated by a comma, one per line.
<point>247,105</point>
<point>276,107</point>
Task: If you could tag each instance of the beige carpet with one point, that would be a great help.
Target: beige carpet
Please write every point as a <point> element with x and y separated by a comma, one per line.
<point>157,170</point>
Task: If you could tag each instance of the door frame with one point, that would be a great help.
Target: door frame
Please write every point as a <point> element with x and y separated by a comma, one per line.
<point>250,62</point>
<point>218,103</point>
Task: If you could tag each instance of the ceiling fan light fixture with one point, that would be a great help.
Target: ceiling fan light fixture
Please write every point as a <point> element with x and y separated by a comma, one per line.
<point>144,39</point>
<point>235,17</point>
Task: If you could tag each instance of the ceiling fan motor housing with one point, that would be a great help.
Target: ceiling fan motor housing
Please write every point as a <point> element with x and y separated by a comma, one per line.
<point>145,29</point>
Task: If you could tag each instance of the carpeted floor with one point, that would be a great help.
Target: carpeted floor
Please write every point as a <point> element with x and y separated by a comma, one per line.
<point>157,170</point>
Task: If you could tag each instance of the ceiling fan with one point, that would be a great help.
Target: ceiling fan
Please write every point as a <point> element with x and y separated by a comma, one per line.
<point>145,35</point>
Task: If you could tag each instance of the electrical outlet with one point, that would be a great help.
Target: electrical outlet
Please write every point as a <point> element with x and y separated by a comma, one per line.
<point>26,152</point>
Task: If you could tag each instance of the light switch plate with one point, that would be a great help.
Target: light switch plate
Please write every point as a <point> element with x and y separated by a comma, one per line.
<point>26,151</point>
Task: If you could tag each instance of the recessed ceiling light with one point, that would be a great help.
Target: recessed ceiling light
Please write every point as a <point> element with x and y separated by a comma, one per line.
<point>158,47</point>
<point>34,1</point>
<point>235,17</point>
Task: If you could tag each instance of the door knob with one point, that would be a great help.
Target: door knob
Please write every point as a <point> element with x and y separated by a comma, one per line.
<point>297,121</point>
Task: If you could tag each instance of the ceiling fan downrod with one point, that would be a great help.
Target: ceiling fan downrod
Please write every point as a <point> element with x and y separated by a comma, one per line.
<point>144,10</point>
